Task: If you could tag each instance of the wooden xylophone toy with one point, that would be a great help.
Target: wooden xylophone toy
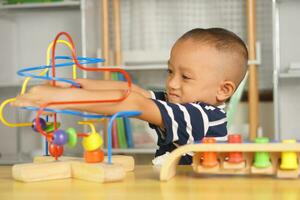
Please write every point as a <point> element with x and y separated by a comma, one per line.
<point>236,158</point>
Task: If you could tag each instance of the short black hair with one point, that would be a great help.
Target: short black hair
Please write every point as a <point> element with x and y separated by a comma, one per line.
<point>221,39</point>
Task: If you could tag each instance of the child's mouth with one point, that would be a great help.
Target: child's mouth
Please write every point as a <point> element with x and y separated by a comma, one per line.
<point>173,96</point>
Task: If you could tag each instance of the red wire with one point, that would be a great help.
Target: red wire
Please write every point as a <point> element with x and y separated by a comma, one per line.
<point>40,111</point>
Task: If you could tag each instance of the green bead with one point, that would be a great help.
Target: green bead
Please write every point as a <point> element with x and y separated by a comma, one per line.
<point>72,135</point>
<point>262,159</point>
<point>50,127</point>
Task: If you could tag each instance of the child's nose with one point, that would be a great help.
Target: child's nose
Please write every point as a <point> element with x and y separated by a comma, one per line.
<point>174,82</point>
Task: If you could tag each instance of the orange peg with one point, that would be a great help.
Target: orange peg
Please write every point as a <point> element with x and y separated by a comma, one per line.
<point>94,156</point>
<point>209,158</point>
<point>235,157</point>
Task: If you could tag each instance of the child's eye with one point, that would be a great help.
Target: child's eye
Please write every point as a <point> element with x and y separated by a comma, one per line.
<point>186,77</point>
<point>169,71</point>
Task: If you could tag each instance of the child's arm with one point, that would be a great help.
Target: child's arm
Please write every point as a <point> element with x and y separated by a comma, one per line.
<point>91,84</point>
<point>40,95</point>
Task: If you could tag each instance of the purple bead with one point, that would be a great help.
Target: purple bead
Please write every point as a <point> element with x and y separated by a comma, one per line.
<point>42,123</point>
<point>60,137</point>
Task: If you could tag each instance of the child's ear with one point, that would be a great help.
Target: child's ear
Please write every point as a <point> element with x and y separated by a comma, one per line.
<point>226,90</point>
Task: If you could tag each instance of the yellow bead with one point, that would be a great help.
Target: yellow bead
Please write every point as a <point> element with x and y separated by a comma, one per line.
<point>92,142</point>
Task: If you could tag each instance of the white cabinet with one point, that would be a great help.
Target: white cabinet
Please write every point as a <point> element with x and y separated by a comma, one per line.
<point>27,29</point>
<point>286,76</point>
<point>25,33</point>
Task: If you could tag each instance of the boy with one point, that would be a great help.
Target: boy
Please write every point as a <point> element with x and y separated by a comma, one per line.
<point>204,69</point>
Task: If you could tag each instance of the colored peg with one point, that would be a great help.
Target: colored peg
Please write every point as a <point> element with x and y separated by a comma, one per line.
<point>94,156</point>
<point>262,159</point>
<point>235,157</point>
<point>289,160</point>
<point>209,158</point>
<point>92,142</point>
<point>72,137</point>
<point>43,124</point>
<point>60,137</point>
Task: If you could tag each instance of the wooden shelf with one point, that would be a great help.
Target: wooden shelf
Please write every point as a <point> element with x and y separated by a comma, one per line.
<point>294,74</point>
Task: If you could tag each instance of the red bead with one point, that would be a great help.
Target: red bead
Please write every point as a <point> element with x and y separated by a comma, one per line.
<point>56,150</point>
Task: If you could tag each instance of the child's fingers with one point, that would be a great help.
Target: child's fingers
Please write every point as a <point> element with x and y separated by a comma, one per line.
<point>23,102</point>
<point>63,84</point>
<point>58,84</point>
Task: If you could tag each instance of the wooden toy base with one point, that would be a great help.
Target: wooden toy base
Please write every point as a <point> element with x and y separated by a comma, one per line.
<point>45,168</point>
<point>168,169</point>
<point>126,161</point>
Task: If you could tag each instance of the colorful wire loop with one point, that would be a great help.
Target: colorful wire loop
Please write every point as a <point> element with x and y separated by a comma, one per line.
<point>76,62</point>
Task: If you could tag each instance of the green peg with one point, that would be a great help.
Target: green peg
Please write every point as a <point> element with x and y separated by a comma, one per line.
<point>262,159</point>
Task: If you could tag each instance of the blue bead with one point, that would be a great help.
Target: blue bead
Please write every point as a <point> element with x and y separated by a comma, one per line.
<point>60,137</point>
<point>42,123</point>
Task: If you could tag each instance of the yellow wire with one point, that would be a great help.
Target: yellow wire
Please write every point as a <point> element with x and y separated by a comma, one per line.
<point>12,124</point>
<point>25,83</point>
<point>92,127</point>
<point>74,73</point>
<point>7,123</point>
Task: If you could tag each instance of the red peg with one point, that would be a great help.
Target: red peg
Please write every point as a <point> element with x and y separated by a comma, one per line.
<point>235,157</point>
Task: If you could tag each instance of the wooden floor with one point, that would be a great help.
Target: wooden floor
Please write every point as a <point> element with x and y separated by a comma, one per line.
<point>144,183</point>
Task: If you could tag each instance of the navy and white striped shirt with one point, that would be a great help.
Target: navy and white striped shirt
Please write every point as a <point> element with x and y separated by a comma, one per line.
<point>186,124</point>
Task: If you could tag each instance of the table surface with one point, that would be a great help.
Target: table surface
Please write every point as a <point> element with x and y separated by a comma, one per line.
<point>144,183</point>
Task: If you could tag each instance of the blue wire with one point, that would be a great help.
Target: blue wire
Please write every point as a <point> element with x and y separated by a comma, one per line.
<point>82,61</point>
<point>109,130</point>
<point>67,112</point>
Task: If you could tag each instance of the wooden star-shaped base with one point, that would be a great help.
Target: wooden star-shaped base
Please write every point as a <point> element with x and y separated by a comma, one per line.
<point>46,168</point>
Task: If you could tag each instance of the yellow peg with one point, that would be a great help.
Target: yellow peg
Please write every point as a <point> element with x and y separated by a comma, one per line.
<point>289,160</point>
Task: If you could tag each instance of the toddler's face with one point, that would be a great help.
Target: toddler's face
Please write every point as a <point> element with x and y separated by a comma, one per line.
<point>193,73</point>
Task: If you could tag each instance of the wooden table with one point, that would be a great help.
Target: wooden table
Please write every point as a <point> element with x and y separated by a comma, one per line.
<point>144,184</point>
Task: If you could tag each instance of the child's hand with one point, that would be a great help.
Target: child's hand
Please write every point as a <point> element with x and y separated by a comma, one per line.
<point>39,95</point>
<point>62,84</point>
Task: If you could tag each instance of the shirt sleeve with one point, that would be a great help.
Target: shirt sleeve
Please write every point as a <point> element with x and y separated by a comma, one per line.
<point>158,95</point>
<point>189,123</point>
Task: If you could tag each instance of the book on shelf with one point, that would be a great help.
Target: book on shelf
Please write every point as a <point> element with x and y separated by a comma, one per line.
<point>114,135</point>
<point>123,128</point>
<point>128,133</point>
<point>126,120</point>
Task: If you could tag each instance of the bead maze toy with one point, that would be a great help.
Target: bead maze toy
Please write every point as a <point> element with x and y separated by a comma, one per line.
<point>236,158</point>
<point>94,166</point>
